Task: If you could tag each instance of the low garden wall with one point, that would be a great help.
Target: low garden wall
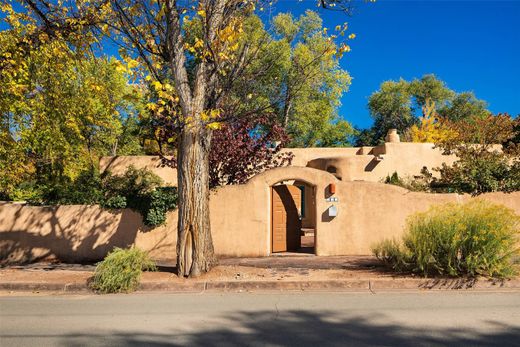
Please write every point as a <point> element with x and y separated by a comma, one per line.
<point>240,215</point>
<point>75,233</point>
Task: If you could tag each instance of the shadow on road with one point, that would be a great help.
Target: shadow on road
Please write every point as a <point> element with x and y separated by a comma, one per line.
<point>301,328</point>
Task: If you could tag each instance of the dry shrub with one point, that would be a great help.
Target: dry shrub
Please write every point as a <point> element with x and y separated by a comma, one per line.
<point>476,238</point>
<point>120,271</point>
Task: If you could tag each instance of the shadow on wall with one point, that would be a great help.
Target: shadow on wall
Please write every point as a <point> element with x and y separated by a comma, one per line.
<point>325,217</point>
<point>372,165</point>
<point>301,328</point>
<point>65,233</point>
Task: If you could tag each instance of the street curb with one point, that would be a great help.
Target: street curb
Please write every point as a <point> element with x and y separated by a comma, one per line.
<point>353,285</point>
<point>44,287</point>
<point>188,287</point>
<point>338,285</point>
<point>431,284</point>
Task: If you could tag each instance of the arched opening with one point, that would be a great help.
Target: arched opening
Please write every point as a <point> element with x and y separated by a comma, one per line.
<point>293,217</point>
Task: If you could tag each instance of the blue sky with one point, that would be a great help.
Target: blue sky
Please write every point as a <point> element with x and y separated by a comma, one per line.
<point>471,45</point>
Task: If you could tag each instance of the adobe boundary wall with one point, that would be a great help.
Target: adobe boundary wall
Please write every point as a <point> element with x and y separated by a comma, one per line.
<point>240,217</point>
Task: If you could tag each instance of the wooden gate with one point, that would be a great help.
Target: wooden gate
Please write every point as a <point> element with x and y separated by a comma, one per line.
<point>285,219</point>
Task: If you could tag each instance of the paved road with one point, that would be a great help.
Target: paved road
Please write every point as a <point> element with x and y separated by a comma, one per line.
<point>300,319</point>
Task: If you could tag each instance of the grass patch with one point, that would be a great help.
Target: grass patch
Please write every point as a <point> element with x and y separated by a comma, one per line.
<point>120,271</point>
<point>477,238</point>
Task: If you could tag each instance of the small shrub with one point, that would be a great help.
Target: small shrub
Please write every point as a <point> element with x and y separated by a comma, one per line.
<point>477,238</point>
<point>120,271</point>
<point>415,184</point>
<point>392,253</point>
<point>393,179</point>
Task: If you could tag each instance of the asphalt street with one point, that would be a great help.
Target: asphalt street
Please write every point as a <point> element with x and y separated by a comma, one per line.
<point>259,319</point>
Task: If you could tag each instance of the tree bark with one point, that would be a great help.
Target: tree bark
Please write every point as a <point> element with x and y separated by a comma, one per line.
<point>195,253</point>
<point>287,109</point>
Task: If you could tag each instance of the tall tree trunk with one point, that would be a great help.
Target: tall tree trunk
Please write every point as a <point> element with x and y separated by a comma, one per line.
<point>287,109</point>
<point>195,254</point>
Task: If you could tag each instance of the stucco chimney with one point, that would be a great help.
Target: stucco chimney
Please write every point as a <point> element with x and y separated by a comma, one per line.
<point>392,136</point>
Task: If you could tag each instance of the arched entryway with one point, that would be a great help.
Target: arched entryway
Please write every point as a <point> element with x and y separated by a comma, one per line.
<point>293,217</point>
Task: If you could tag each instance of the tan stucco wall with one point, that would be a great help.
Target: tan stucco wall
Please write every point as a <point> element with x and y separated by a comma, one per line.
<point>118,165</point>
<point>407,159</point>
<point>76,233</point>
<point>352,164</point>
<point>303,155</point>
<point>240,216</point>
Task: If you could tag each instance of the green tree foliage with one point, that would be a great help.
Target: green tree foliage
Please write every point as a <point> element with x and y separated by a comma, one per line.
<point>464,105</point>
<point>302,87</point>
<point>61,111</point>
<point>311,83</point>
<point>429,89</point>
<point>305,81</point>
<point>403,104</point>
<point>339,133</point>
<point>390,107</point>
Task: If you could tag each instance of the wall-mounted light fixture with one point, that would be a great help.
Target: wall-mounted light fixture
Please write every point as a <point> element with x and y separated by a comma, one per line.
<point>332,188</point>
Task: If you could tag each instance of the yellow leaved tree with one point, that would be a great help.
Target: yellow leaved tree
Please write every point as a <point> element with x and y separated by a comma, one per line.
<point>432,127</point>
<point>194,55</point>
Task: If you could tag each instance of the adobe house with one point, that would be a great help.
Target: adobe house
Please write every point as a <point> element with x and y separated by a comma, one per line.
<point>330,201</point>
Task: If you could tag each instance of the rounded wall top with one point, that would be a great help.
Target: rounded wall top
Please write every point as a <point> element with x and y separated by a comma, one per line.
<point>311,176</point>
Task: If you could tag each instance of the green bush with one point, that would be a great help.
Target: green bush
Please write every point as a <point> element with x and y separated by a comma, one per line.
<point>393,179</point>
<point>86,189</point>
<point>27,191</point>
<point>415,184</point>
<point>120,271</point>
<point>115,202</point>
<point>477,238</point>
<point>477,172</point>
<point>137,189</point>
<point>134,183</point>
<point>160,201</point>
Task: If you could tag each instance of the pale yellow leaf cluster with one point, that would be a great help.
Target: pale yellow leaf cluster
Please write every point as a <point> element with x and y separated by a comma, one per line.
<point>432,128</point>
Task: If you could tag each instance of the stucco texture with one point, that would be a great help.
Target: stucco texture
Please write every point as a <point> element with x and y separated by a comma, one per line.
<point>240,217</point>
<point>118,165</point>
